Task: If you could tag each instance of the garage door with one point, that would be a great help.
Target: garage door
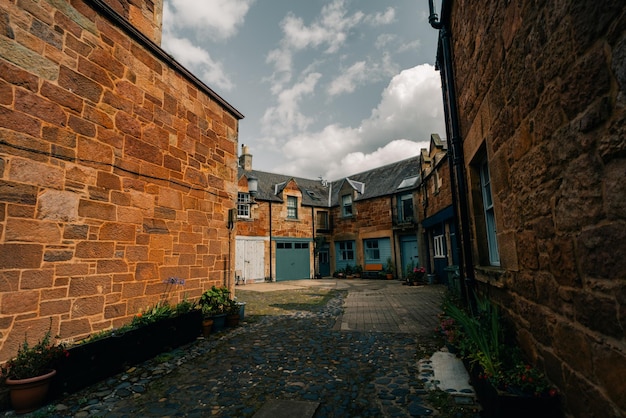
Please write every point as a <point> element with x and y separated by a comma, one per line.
<point>293,260</point>
<point>250,259</point>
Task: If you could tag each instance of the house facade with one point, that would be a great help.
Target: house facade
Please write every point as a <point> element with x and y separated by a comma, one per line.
<point>118,168</point>
<point>535,108</point>
<point>367,223</point>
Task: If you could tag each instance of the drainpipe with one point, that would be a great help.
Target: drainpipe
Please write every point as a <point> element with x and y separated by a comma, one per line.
<point>455,143</point>
<point>271,263</point>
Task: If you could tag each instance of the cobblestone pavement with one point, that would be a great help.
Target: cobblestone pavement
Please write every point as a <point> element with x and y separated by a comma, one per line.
<point>356,356</point>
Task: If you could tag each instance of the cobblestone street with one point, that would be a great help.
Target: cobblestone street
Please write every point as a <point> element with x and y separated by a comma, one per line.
<point>355,355</point>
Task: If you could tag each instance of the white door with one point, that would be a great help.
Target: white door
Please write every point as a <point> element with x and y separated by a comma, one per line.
<point>250,258</point>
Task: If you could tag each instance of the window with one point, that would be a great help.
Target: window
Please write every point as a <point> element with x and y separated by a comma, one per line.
<point>405,208</point>
<point>372,252</point>
<point>439,246</point>
<point>292,207</point>
<point>490,218</point>
<point>322,220</point>
<point>346,250</point>
<point>243,205</point>
<point>346,205</point>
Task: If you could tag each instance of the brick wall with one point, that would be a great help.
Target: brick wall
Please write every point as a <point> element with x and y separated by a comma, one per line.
<point>117,171</point>
<point>542,91</point>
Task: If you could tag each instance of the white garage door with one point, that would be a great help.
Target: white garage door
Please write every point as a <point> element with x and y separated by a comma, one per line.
<point>250,258</point>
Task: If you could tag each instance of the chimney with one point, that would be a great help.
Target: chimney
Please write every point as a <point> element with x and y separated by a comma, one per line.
<point>245,159</point>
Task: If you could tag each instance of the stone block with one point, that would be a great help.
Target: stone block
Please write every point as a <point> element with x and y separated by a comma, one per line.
<point>75,232</point>
<point>13,303</point>
<point>36,279</point>
<point>89,286</point>
<point>21,256</point>
<point>54,307</point>
<point>32,231</point>
<point>67,270</point>
<point>87,306</point>
<point>110,231</point>
<point>94,249</point>
<point>32,172</point>
<point>58,205</point>
<point>599,251</point>
<point>82,126</point>
<point>96,210</point>
<point>80,85</point>
<point>17,193</point>
<point>62,97</point>
<point>111,266</point>
<point>75,327</point>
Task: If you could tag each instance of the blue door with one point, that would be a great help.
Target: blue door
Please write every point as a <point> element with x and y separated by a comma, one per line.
<point>293,260</point>
<point>408,252</point>
<point>323,259</point>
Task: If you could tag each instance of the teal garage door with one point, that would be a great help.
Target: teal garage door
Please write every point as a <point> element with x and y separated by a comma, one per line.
<point>293,260</point>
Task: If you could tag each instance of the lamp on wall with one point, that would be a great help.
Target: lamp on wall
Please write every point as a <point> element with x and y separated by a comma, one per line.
<point>253,186</point>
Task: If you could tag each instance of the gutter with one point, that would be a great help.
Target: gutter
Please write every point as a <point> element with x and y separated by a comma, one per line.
<point>455,142</point>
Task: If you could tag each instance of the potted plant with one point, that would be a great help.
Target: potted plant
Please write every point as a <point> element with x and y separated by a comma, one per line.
<point>213,303</point>
<point>505,385</point>
<point>232,313</point>
<point>29,373</point>
<point>390,268</point>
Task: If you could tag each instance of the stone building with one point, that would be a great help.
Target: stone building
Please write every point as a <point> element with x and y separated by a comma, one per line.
<point>117,169</point>
<point>535,97</point>
<point>438,220</point>
<point>295,228</point>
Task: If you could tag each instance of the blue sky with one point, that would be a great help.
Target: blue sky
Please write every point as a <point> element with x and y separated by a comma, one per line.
<point>328,87</point>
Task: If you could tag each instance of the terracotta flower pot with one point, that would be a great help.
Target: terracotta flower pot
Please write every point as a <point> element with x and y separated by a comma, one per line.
<point>207,324</point>
<point>29,394</point>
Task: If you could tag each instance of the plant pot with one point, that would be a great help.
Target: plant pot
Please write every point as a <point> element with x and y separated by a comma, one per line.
<point>232,320</point>
<point>500,404</point>
<point>389,276</point>
<point>242,310</point>
<point>29,394</point>
<point>219,323</point>
<point>207,324</point>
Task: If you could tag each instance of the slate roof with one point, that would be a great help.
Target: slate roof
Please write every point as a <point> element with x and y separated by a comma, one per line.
<point>374,183</point>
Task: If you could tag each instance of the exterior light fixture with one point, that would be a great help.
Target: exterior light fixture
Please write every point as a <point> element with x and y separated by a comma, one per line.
<point>253,186</point>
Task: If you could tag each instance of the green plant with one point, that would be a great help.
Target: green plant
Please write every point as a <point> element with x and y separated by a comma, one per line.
<point>214,301</point>
<point>390,267</point>
<point>483,333</point>
<point>35,360</point>
<point>480,337</point>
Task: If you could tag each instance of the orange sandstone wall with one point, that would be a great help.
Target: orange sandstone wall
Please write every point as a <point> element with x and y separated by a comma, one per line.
<point>116,172</point>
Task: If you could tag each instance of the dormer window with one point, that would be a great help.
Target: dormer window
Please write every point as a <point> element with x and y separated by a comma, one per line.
<point>346,205</point>
<point>292,207</point>
<point>243,205</point>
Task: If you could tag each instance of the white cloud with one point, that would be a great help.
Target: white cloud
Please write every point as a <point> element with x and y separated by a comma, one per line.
<point>221,18</point>
<point>385,18</point>
<point>198,61</point>
<point>347,81</point>
<point>360,73</point>
<point>409,111</point>
<point>284,118</point>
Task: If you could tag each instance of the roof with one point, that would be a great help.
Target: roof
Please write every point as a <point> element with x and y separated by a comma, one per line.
<point>382,181</point>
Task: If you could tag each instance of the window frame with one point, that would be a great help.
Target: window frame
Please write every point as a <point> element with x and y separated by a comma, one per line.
<point>489,213</point>
<point>439,247</point>
<point>401,209</point>
<point>371,249</point>
<point>292,207</point>
<point>243,205</point>
<point>346,248</point>
<point>347,206</point>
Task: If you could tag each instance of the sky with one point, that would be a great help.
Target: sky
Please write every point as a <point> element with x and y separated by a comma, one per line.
<point>328,88</point>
